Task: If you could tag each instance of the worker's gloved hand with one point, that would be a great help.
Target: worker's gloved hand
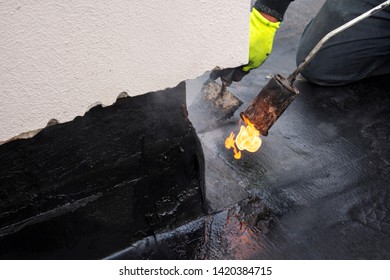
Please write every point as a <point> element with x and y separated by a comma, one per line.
<point>261,37</point>
<point>228,75</point>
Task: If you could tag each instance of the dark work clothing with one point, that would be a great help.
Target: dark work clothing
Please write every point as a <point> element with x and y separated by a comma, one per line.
<point>358,52</point>
<point>275,8</point>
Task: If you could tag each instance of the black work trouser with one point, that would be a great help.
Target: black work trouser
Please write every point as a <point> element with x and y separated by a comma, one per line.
<point>357,53</point>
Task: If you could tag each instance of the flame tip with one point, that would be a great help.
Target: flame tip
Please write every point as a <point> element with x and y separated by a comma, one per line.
<point>247,139</point>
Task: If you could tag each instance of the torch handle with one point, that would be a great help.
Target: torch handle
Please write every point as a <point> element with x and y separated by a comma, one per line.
<point>338,30</point>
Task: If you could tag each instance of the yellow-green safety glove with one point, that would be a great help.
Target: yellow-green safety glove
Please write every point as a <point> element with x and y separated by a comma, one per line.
<point>261,38</point>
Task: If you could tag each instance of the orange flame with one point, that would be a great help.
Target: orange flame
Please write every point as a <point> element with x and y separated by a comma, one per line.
<point>229,143</point>
<point>247,139</point>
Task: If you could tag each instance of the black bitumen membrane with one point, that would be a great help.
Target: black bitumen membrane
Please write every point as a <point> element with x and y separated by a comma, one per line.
<point>90,187</point>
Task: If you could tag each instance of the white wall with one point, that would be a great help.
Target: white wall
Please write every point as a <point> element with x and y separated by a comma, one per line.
<point>57,58</point>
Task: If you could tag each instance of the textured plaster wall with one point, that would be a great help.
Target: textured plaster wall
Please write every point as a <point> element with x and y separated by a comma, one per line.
<point>57,58</point>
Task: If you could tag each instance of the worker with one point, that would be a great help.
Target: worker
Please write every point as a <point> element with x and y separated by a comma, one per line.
<point>357,53</point>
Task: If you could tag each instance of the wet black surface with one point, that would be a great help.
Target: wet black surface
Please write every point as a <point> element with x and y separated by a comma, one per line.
<point>232,233</point>
<point>325,174</point>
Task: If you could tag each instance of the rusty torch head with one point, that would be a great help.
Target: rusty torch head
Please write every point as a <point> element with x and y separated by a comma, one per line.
<point>270,104</point>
